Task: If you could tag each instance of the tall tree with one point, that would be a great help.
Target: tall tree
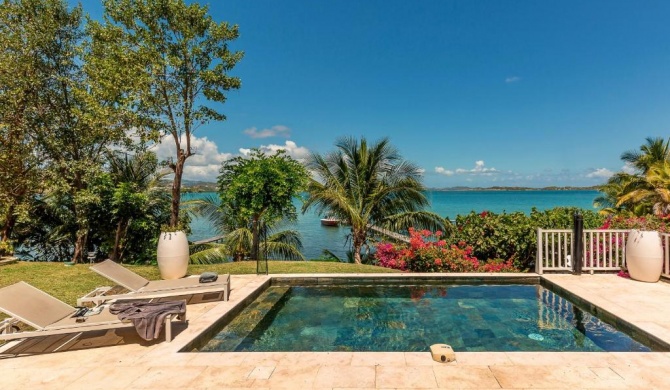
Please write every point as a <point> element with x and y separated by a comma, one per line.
<point>652,189</point>
<point>368,184</point>
<point>179,58</point>
<point>73,119</point>
<point>645,190</point>
<point>611,192</point>
<point>260,190</point>
<point>24,33</point>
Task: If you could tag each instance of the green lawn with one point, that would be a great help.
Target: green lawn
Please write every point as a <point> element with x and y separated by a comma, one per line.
<point>70,283</point>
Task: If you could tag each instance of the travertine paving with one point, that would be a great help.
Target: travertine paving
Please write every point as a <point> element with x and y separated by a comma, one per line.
<point>121,361</point>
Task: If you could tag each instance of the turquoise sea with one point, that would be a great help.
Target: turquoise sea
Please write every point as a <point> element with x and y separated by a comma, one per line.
<point>316,238</point>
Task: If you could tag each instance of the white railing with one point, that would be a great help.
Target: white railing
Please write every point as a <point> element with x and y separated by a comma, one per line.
<point>553,250</point>
<point>604,250</point>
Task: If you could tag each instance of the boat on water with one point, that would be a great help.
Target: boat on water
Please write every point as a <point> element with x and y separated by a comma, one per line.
<point>330,221</point>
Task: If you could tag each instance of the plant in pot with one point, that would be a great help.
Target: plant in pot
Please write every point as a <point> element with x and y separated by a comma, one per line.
<point>172,252</point>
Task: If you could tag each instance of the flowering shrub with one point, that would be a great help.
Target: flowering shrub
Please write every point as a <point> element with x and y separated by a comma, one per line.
<point>427,252</point>
<point>514,235</point>
<point>649,222</point>
<point>498,265</point>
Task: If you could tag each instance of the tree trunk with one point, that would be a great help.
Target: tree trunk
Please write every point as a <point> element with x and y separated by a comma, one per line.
<point>124,234</point>
<point>81,216</point>
<point>176,189</point>
<point>79,247</point>
<point>10,221</point>
<point>357,241</point>
<point>117,241</point>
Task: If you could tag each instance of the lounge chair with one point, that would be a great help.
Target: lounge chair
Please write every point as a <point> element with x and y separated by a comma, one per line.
<point>141,288</point>
<point>51,316</point>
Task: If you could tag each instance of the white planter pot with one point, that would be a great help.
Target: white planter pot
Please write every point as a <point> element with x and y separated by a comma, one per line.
<point>172,255</point>
<point>644,255</point>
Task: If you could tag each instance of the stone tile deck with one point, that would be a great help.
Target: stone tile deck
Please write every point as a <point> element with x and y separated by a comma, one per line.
<point>120,360</point>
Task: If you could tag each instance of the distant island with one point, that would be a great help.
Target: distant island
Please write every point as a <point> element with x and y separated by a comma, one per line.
<point>501,188</point>
<point>206,186</point>
<point>192,185</point>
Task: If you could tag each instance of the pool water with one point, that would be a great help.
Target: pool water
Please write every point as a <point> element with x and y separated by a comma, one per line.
<point>411,318</point>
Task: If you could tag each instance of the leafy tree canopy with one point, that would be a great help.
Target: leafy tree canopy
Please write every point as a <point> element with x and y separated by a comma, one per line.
<point>260,188</point>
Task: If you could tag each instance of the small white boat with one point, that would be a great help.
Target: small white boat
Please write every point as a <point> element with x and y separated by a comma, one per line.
<point>330,221</point>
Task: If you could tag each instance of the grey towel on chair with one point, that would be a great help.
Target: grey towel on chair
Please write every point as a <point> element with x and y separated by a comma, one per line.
<point>147,317</point>
<point>208,277</point>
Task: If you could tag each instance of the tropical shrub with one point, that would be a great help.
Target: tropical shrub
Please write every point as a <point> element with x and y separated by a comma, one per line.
<point>514,235</point>
<point>428,252</point>
<point>648,222</point>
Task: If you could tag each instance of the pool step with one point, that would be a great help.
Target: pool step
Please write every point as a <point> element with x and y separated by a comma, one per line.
<point>235,334</point>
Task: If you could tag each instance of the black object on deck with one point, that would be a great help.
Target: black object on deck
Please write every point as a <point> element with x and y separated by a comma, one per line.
<point>577,243</point>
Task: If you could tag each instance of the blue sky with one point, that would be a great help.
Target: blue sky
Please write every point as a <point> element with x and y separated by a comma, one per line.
<point>478,93</point>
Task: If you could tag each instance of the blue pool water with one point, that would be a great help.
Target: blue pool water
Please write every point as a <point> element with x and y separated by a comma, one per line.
<point>411,318</point>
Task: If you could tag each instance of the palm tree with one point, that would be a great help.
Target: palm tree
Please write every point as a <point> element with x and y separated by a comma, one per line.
<point>654,151</point>
<point>137,193</point>
<point>238,236</point>
<point>653,189</point>
<point>640,193</point>
<point>368,185</point>
<point>611,192</point>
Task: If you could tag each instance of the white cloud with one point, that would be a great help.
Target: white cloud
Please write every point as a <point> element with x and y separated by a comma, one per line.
<point>600,173</point>
<point>274,131</point>
<point>479,170</point>
<point>292,149</point>
<point>443,171</point>
<point>629,169</point>
<point>512,79</point>
<point>203,165</point>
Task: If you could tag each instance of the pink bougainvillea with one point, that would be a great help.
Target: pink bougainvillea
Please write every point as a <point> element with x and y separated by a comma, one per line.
<point>427,253</point>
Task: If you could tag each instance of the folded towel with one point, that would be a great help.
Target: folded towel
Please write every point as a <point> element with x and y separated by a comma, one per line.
<point>147,317</point>
<point>208,277</point>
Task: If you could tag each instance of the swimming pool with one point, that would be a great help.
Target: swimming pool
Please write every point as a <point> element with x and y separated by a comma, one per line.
<point>410,318</point>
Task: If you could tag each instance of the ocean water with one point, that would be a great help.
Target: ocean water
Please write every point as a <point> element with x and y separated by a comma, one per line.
<point>316,238</point>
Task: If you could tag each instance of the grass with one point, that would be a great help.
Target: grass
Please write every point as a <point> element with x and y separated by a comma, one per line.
<point>70,283</point>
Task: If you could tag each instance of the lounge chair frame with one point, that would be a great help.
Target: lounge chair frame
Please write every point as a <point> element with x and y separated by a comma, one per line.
<point>141,288</point>
<point>51,316</point>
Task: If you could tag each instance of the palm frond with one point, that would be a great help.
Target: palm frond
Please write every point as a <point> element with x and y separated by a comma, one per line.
<point>215,253</point>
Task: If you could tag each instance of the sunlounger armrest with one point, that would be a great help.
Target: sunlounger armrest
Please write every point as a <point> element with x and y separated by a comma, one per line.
<point>96,296</point>
<point>226,294</point>
<point>7,325</point>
